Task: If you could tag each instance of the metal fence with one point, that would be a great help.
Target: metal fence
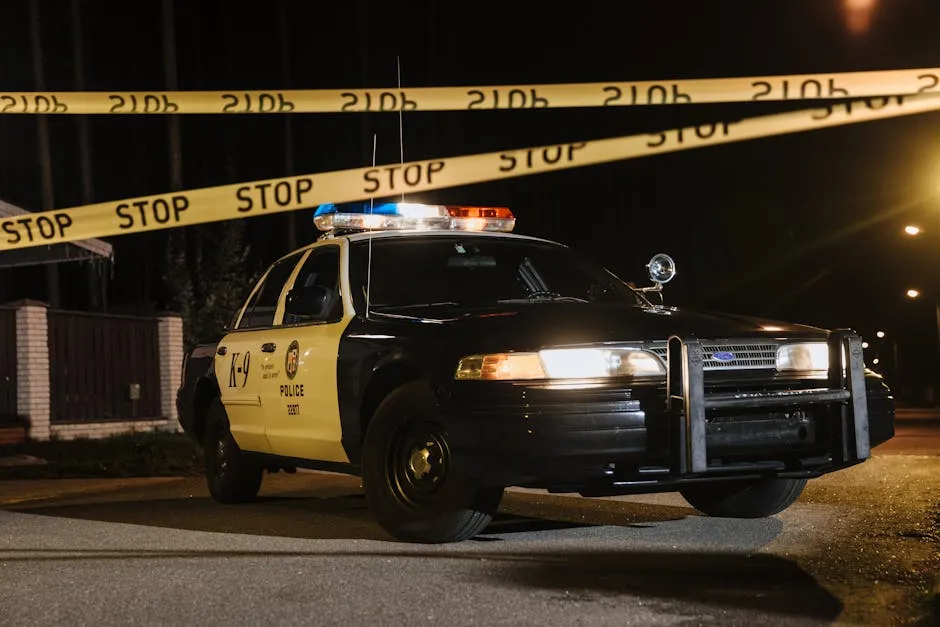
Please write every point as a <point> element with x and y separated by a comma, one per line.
<point>8,366</point>
<point>103,367</point>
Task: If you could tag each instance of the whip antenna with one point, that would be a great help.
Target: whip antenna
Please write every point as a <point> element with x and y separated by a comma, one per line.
<point>369,265</point>
<point>401,135</point>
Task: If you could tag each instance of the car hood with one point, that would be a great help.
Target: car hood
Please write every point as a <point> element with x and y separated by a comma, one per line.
<point>539,325</point>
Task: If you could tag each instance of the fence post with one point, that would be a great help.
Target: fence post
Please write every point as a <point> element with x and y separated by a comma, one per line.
<point>170,343</point>
<point>32,367</point>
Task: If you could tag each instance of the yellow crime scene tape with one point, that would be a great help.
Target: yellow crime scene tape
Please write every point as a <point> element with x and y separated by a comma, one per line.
<point>241,200</point>
<point>666,92</point>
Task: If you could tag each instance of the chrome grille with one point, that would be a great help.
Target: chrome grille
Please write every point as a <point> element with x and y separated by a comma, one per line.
<point>746,356</point>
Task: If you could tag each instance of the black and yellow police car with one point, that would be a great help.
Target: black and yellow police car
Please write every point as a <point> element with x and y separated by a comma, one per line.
<point>443,358</point>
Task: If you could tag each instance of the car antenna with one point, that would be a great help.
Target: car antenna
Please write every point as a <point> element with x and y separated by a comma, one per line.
<point>401,148</point>
<point>401,108</point>
<point>369,264</point>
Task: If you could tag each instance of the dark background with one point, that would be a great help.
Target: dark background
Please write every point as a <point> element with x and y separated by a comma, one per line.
<point>804,227</point>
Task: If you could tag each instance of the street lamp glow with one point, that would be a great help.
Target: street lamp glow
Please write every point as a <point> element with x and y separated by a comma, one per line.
<point>858,15</point>
<point>913,293</point>
<point>880,334</point>
<point>910,229</point>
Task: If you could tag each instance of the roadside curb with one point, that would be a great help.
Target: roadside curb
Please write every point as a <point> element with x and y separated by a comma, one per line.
<point>22,491</point>
<point>21,460</point>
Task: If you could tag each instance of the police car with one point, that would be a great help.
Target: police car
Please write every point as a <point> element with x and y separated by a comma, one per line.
<point>442,358</point>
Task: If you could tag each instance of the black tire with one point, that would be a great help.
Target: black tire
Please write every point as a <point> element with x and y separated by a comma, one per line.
<point>232,478</point>
<point>744,499</point>
<point>411,486</point>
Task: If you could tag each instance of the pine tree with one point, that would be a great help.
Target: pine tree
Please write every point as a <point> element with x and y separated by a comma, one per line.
<point>208,277</point>
<point>177,282</point>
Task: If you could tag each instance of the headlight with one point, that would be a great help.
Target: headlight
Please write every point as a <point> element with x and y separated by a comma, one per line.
<point>805,357</point>
<point>561,363</point>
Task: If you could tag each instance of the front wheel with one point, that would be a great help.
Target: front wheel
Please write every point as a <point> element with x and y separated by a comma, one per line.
<point>232,478</point>
<point>410,483</point>
<point>744,499</point>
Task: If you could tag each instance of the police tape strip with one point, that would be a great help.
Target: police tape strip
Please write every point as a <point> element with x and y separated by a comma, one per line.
<point>241,200</point>
<point>832,86</point>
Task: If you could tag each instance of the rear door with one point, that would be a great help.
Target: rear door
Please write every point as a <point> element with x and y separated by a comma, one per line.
<point>239,358</point>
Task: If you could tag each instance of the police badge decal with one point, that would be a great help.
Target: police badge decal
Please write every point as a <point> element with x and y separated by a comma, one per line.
<point>291,359</point>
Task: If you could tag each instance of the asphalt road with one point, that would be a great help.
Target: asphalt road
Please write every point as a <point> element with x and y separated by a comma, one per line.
<point>859,547</point>
<point>917,432</point>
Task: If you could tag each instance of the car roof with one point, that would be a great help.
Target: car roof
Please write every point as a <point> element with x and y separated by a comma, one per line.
<point>358,236</point>
<point>365,235</point>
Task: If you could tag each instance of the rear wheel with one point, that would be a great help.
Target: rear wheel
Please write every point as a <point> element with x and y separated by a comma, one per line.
<point>232,478</point>
<point>744,499</point>
<point>411,485</point>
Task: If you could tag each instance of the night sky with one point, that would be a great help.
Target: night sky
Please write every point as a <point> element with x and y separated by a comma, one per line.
<point>803,227</point>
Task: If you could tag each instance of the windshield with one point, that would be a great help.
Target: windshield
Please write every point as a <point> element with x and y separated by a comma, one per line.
<point>473,271</point>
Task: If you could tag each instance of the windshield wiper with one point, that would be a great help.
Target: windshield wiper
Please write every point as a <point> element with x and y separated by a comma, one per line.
<point>544,295</point>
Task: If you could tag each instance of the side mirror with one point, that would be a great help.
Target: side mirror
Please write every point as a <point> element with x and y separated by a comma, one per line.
<point>314,302</point>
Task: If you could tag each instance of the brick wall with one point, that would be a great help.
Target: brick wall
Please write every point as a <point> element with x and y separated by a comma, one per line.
<point>32,368</point>
<point>170,330</point>
<point>105,429</point>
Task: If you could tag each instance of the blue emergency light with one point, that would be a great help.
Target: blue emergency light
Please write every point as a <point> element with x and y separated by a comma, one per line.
<point>385,208</point>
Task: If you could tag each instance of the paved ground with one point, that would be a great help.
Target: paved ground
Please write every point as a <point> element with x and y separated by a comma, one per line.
<point>917,432</point>
<point>859,547</point>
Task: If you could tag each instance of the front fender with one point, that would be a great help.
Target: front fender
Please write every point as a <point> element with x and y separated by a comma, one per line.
<point>198,368</point>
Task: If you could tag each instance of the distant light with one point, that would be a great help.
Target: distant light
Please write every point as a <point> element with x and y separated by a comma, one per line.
<point>880,334</point>
<point>865,344</point>
<point>913,293</point>
<point>858,14</point>
<point>772,328</point>
<point>910,229</point>
<point>875,361</point>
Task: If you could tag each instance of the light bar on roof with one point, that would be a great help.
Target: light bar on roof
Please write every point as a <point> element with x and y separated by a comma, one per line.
<point>401,216</point>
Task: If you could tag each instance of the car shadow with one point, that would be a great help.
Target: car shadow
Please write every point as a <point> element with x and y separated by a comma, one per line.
<point>758,582</point>
<point>333,518</point>
<point>588,550</point>
<point>340,513</point>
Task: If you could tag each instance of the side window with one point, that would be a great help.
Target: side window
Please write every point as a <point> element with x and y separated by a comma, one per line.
<point>260,311</point>
<point>315,295</point>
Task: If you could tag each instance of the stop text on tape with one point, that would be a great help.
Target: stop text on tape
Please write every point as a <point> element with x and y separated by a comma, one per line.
<point>293,193</point>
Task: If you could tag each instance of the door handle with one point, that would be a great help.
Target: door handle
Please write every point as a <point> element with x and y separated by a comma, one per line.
<point>268,347</point>
<point>221,350</point>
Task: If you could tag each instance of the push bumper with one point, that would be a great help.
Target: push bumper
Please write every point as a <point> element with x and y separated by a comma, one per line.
<point>609,440</point>
<point>845,404</point>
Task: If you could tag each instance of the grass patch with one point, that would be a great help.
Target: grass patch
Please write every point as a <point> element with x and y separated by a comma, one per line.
<point>132,455</point>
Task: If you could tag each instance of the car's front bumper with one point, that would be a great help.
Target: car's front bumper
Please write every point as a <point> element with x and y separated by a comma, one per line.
<point>609,439</point>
